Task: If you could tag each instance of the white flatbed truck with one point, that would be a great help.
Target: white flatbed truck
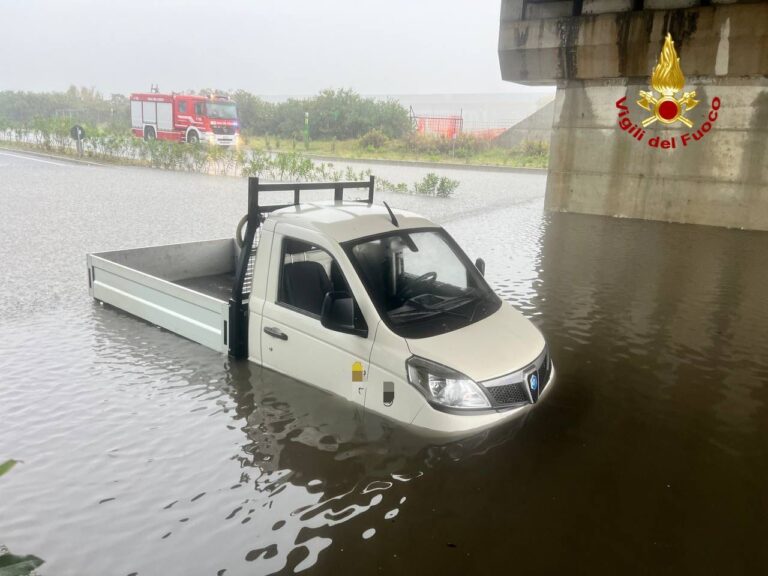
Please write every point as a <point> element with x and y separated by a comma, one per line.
<point>378,306</point>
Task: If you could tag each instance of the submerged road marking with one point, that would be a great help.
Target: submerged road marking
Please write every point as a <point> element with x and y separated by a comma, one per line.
<point>34,159</point>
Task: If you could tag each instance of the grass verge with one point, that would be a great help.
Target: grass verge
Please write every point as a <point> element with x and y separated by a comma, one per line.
<point>399,150</point>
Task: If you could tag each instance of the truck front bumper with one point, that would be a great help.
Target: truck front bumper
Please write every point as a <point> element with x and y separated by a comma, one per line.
<point>223,139</point>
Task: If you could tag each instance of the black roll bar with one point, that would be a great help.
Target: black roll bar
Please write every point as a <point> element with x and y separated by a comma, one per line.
<point>238,302</point>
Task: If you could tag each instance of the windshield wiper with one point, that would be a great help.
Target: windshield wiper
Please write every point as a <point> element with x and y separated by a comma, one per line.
<point>459,301</point>
<point>423,310</point>
<point>405,315</point>
<point>451,303</point>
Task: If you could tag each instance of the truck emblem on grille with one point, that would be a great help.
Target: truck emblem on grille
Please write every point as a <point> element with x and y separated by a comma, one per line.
<point>533,382</point>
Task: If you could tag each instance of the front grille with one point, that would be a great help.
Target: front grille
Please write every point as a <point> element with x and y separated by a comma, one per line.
<point>223,130</point>
<point>509,393</point>
<point>512,389</point>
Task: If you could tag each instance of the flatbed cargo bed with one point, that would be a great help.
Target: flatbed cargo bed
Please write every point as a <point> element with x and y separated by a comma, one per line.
<point>184,288</point>
<point>217,286</point>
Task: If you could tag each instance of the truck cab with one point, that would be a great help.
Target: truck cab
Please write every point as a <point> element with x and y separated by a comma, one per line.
<point>210,120</point>
<point>378,306</point>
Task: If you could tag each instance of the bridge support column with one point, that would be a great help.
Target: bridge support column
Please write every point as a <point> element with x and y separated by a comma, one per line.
<point>602,159</point>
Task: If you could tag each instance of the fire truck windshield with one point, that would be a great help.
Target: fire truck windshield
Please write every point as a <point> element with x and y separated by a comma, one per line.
<point>222,110</point>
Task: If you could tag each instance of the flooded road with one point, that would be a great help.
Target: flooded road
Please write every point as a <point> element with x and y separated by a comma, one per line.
<point>143,453</point>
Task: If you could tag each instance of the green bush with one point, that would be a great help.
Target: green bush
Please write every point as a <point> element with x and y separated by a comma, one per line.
<point>75,106</point>
<point>434,185</point>
<point>341,114</point>
<point>534,148</point>
<point>373,139</point>
<point>463,146</point>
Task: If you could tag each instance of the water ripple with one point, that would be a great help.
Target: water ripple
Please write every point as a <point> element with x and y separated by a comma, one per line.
<point>173,458</point>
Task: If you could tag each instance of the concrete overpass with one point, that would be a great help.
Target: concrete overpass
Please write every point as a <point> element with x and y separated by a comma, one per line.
<point>605,162</point>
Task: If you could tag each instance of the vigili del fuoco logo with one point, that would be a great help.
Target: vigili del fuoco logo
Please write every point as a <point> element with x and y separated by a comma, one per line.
<point>664,105</point>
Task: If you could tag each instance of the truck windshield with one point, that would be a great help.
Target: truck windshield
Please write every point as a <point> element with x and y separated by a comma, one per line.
<point>222,110</point>
<point>422,283</point>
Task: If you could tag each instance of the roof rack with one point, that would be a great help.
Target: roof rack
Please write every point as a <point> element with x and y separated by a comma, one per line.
<point>255,189</point>
<point>238,305</point>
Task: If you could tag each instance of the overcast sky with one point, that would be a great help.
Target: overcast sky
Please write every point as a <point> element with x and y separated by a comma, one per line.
<point>265,46</point>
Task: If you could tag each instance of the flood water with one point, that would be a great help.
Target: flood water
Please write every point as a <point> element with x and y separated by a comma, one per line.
<point>143,453</point>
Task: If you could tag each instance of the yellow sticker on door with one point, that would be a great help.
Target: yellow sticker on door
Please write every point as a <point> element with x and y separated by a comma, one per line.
<point>357,372</point>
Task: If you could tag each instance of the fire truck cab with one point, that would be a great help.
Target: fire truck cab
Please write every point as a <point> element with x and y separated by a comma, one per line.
<point>185,118</point>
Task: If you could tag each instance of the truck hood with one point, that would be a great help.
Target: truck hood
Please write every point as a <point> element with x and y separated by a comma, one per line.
<point>501,343</point>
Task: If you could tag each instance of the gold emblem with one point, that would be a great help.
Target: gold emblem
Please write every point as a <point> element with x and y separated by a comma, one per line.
<point>667,79</point>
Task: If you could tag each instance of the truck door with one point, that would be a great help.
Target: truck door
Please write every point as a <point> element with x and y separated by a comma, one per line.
<point>182,113</point>
<point>294,341</point>
<point>199,113</point>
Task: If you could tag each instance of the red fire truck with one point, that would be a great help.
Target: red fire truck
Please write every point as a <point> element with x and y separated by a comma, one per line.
<point>185,118</point>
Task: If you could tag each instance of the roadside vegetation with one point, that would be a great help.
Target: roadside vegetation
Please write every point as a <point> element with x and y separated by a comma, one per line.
<point>416,148</point>
<point>341,124</point>
<point>106,145</point>
<point>290,140</point>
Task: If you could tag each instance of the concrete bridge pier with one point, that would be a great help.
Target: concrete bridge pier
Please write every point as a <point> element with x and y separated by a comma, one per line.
<point>601,54</point>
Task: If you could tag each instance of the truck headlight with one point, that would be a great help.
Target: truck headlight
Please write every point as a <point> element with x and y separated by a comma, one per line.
<point>443,385</point>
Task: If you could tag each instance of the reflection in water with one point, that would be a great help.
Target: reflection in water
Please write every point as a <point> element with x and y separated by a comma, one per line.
<point>307,460</point>
<point>673,316</point>
<point>662,332</point>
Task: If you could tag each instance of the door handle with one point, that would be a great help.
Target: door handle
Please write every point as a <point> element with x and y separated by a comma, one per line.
<point>276,333</point>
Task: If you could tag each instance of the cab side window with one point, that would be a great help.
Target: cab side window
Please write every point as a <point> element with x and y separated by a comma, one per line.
<point>199,108</point>
<point>307,274</point>
<point>183,107</point>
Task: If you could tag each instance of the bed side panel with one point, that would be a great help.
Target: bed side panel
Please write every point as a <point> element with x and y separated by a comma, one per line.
<point>191,314</point>
<point>178,261</point>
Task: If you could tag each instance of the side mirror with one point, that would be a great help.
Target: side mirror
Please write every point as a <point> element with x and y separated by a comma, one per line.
<point>480,265</point>
<point>340,314</point>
